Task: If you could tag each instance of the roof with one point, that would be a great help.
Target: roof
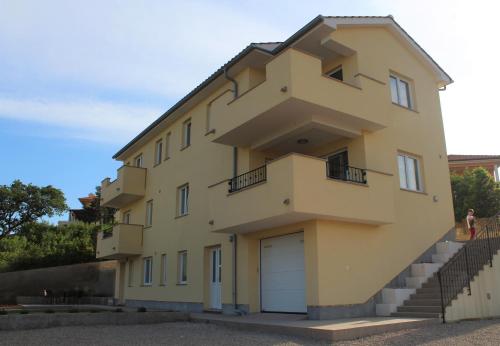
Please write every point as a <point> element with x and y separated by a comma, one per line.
<point>274,48</point>
<point>453,158</point>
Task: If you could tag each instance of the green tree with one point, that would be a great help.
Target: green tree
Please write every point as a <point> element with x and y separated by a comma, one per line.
<point>22,204</point>
<point>475,189</point>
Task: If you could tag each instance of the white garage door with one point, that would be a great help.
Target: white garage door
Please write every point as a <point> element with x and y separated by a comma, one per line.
<point>282,274</point>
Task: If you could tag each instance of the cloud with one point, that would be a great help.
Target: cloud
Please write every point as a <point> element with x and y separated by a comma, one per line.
<point>81,119</point>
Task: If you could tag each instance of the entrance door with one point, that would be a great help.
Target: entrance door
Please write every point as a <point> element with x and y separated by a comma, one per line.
<point>215,278</point>
<point>282,274</point>
<point>337,165</point>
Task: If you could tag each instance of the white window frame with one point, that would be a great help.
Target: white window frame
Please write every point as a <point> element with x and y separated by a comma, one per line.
<point>186,133</point>
<point>405,172</point>
<point>182,267</point>
<point>149,213</point>
<point>167,146</point>
<point>397,98</point>
<point>138,161</point>
<point>126,217</point>
<point>183,200</point>
<point>147,271</point>
<point>158,151</point>
<point>163,270</point>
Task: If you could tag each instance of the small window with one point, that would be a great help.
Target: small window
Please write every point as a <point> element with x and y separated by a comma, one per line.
<point>130,273</point>
<point>138,161</point>
<point>337,73</point>
<point>148,271</point>
<point>167,146</point>
<point>126,217</point>
<point>409,173</point>
<point>149,213</point>
<point>183,200</point>
<point>400,92</point>
<point>158,152</point>
<point>163,278</point>
<point>186,134</point>
<point>182,269</point>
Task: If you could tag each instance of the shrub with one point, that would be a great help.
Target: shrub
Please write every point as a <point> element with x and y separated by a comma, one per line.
<point>73,310</point>
<point>24,312</point>
<point>118,310</point>
<point>95,310</point>
<point>49,311</point>
<point>3,312</point>
<point>142,309</point>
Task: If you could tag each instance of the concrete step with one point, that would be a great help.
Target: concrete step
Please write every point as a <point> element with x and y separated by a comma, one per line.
<point>385,309</point>
<point>425,269</point>
<point>441,257</point>
<point>448,247</point>
<point>422,302</point>
<point>396,295</point>
<point>418,308</point>
<point>431,290</point>
<point>425,296</point>
<point>417,314</point>
<point>415,281</point>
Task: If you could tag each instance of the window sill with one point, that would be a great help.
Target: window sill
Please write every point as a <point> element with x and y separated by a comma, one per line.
<point>147,285</point>
<point>157,164</point>
<point>185,147</point>
<point>147,227</point>
<point>414,191</point>
<point>407,108</point>
<point>181,216</point>
<point>210,132</point>
<point>182,284</point>
<point>162,285</point>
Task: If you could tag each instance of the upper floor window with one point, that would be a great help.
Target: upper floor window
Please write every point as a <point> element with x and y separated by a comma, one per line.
<point>167,146</point>
<point>401,91</point>
<point>186,134</point>
<point>183,200</point>
<point>149,213</point>
<point>337,73</point>
<point>410,177</point>
<point>148,271</point>
<point>138,161</point>
<point>158,152</point>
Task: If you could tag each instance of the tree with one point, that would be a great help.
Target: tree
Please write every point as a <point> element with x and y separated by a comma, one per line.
<point>22,204</point>
<point>475,189</point>
<point>96,213</point>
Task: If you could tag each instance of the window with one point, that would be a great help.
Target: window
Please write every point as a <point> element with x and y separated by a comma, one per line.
<point>186,134</point>
<point>138,162</point>
<point>149,213</point>
<point>182,269</point>
<point>409,173</point>
<point>148,271</point>
<point>130,273</point>
<point>167,146</point>
<point>183,200</point>
<point>337,73</point>
<point>126,217</point>
<point>163,278</point>
<point>400,92</point>
<point>158,152</point>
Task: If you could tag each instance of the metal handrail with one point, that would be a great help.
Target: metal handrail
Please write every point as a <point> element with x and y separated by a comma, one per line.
<point>457,273</point>
<point>346,173</point>
<point>247,179</point>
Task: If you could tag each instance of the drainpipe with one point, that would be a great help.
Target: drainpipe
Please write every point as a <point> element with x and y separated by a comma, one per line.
<point>231,79</point>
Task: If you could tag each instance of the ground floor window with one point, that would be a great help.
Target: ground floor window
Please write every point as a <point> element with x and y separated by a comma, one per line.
<point>182,267</point>
<point>148,271</point>
<point>163,278</point>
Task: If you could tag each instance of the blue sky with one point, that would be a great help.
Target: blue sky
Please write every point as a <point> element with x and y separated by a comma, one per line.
<point>78,79</point>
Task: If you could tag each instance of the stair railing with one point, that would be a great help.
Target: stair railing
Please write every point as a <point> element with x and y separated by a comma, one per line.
<point>457,273</point>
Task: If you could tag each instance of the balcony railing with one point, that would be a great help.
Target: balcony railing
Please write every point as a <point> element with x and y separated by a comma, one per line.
<point>247,179</point>
<point>346,173</point>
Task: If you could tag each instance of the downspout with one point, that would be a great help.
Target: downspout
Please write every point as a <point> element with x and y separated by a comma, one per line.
<point>234,236</point>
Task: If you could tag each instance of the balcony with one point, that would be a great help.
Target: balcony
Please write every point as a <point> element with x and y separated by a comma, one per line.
<point>297,188</point>
<point>123,240</point>
<point>129,186</point>
<point>297,98</point>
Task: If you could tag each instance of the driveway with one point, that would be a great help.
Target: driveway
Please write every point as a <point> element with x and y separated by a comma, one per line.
<point>184,333</point>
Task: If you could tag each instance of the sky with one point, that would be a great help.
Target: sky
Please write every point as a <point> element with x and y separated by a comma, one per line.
<point>79,79</point>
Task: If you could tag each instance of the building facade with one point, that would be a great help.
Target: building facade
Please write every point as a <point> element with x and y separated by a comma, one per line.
<point>459,163</point>
<point>302,176</point>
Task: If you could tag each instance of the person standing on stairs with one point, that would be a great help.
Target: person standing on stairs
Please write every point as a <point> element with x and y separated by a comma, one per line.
<point>470,223</point>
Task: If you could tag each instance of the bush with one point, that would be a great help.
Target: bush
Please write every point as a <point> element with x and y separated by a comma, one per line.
<point>3,312</point>
<point>95,310</point>
<point>24,312</point>
<point>118,310</point>
<point>142,309</point>
<point>73,311</point>
<point>49,311</point>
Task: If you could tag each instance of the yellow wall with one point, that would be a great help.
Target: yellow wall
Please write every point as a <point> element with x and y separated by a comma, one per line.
<point>346,263</point>
<point>485,298</point>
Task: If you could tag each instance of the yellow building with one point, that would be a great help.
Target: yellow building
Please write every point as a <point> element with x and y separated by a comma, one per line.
<point>302,176</point>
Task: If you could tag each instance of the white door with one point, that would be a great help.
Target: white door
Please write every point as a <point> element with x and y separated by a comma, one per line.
<point>282,274</point>
<point>215,278</point>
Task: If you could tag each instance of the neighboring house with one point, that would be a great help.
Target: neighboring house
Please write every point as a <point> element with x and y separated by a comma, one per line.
<point>82,214</point>
<point>301,176</point>
<point>459,163</point>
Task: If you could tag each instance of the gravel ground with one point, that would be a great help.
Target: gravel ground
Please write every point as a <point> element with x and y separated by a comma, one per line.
<point>182,333</point>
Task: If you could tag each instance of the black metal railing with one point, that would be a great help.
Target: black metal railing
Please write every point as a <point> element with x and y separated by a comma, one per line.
<point>346,173</point>
<point>247,179</point>
<point>457,273</point>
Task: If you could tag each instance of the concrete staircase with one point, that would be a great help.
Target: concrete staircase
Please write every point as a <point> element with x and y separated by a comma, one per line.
<point>421,297</point>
